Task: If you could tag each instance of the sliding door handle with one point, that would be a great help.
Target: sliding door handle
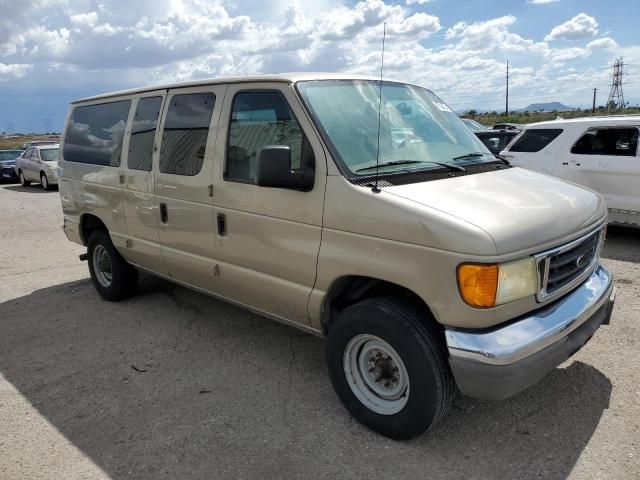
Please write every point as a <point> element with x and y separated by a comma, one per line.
<point>222,224</point>
<point>164,214</point>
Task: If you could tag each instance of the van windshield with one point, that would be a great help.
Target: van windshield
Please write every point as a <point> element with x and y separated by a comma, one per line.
<point>417,130</point>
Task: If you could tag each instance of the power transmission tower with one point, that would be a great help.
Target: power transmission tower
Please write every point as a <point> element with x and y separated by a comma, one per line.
<point>11,127</point>
<point>616,97</point>
<point>593,109</point>
<point>507,98</point>
<point>47,125</point>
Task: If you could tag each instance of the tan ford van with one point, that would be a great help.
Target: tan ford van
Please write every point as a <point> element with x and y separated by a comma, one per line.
<point>426,261</point>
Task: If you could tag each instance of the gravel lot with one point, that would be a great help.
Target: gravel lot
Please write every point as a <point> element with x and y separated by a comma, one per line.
<point>173,384</point>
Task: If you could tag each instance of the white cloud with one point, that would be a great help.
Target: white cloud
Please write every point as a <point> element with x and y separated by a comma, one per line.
<point>94,46</point>
<point>580,26</point>
<point>602,43</point>
<point>541,2</point>
<point>87,20</point>
<point>14,71</point>
<point>417,2</point>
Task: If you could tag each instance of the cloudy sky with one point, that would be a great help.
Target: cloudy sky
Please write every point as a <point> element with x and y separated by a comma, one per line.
<point>55,51</point>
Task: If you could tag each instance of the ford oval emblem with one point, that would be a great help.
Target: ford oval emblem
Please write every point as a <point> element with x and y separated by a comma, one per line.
<point>580,261</point>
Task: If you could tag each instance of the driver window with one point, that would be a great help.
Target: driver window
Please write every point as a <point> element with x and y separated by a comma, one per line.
<point>260,118</point>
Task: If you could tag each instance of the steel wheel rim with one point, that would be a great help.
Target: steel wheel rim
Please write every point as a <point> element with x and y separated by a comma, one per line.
<point>45,182</point>
<point>22,179</point>
<point>376,374</point>
<point>102,266</point>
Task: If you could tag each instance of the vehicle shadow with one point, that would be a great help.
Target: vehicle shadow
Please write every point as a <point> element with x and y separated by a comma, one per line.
<point>173,384</point>
<point>622,243</point>
<point>33,188</point>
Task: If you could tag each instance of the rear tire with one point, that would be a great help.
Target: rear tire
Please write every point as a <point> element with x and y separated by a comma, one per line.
<point>23,181</point>
<point>389,367</point>
<point>112,276</point>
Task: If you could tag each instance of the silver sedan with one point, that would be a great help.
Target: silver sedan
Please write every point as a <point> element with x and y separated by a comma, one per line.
<point>38,164</point>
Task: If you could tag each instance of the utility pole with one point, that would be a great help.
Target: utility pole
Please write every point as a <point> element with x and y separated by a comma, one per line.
<point>616,97</point>
<point>507,98</point>
<point>593,109</point>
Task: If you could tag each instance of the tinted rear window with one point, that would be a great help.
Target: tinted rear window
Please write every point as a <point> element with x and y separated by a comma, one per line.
<point>186,128</point>
<point>535,139</point>
<point>143,133</point>
<point>608,141</point>
<point>94,134</point>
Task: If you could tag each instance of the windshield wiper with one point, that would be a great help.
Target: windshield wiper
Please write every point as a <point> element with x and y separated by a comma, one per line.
<point>389,164</point>
<point>451,168</point>
<point>472,154</point>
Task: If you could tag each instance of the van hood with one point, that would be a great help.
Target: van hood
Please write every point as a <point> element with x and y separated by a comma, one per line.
<point>518,208</point>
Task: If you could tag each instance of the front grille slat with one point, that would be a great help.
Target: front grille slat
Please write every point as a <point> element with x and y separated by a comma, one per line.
<point>572,255</point>
<point>565,265</point>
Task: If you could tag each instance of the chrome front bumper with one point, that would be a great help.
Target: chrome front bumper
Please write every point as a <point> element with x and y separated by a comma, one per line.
<point>501,362</point>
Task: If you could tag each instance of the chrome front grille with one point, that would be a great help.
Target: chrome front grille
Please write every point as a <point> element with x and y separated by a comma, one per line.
<point>562,268</point>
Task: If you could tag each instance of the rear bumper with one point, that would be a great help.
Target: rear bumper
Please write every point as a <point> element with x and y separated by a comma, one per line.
<point>72,230</point>
<point>501,362</point>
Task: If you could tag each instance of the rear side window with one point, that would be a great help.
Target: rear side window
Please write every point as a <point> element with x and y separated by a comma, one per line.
<point>186,128</point>
<point>259,119</point>
<point>143,133</point>
<point>95,132</point>
<point>535,139</point>
<point>607,141</point>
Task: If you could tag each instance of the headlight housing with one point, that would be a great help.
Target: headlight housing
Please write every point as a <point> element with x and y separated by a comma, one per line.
<point>488,285</point>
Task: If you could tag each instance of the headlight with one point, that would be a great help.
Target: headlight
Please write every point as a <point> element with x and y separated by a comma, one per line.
<point>486,286</point>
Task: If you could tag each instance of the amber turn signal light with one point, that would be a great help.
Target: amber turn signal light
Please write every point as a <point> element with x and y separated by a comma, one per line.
<point>478,284</point>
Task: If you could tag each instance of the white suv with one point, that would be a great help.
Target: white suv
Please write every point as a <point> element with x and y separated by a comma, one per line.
<point>598,152</point>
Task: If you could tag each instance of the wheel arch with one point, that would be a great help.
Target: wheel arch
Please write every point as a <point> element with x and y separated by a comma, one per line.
<point>351,289</point>
<point>88,224</point>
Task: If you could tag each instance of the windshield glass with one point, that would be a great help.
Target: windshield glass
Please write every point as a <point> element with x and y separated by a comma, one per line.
<point>49,154</point>
<point>9,154</point>
<point>416,127</point>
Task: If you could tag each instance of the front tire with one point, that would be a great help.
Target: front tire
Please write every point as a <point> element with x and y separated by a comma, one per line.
<point>23,181</point>
<point>112,276</point>
<point>44,181</point>
<point>389,367</point>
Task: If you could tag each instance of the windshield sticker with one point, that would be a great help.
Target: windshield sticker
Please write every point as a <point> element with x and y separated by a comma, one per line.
<point>443,107</point>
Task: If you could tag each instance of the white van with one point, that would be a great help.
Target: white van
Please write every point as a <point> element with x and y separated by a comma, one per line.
<point>426,261</point>
<point>598,152</point>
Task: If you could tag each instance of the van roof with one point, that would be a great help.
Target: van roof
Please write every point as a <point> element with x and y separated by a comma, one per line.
<point>278,77</point>
<point>596,120</point>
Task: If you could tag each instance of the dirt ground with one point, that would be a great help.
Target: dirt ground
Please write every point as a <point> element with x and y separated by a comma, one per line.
<point>174,384</point>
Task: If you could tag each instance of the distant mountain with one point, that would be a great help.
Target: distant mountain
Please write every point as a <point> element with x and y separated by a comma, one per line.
<point>546,107</point>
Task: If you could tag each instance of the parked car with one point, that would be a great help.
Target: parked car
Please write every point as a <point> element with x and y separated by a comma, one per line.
<point>496,140</point>
<point>38,164</point>
<point>424,260</point>
<point>598,152</point>
<point>7,165</point>
<point>473,125</point>
<point>36,143</point>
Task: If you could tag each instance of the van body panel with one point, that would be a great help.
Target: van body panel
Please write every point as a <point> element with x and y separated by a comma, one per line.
<point>268,251</point>
<point>187,237</point>
<point>518,208</point>
<point>144,249</point>
<point>403,218</point>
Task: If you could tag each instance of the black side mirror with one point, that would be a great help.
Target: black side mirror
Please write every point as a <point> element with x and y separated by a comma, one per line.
<point>273,169</point>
